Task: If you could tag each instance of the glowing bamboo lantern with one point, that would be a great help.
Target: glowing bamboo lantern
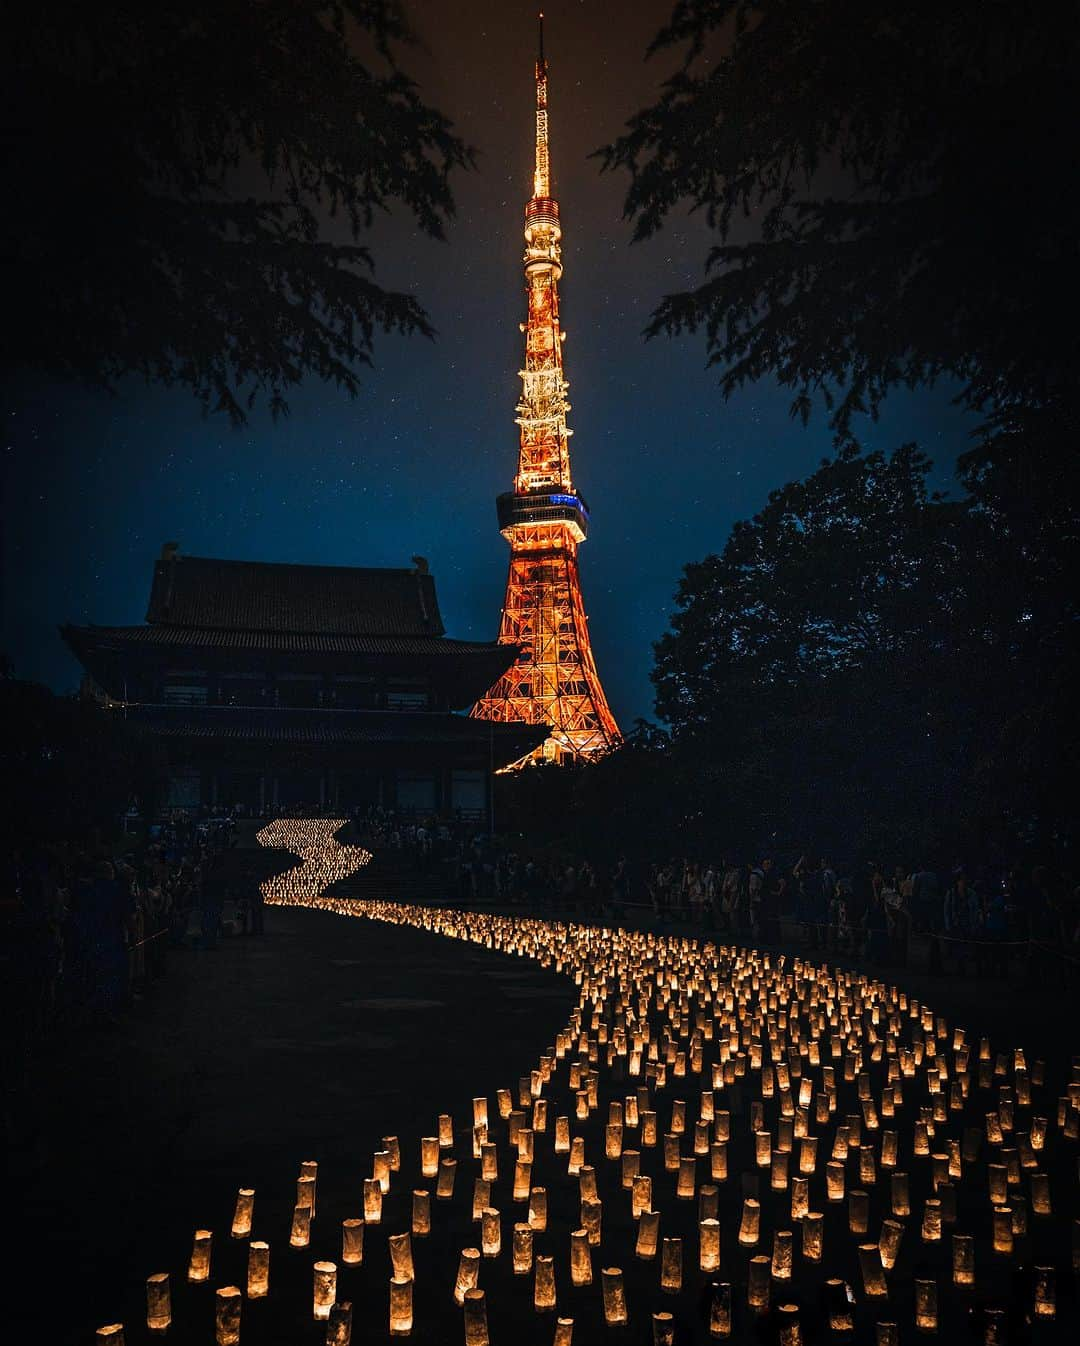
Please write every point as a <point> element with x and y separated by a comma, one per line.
<point>631,1163</point>
<point>808,1154</point>
<point>1002,1241</point>
<point>309,1169</point>
<point>476,1325</point>
<point>339,1324</point>
<point>258,1269</point>
<point>867,1170</point>
<point>392,1146</point>
<point>672,1153</point>
<point>429,1156</point>
<point>648,1235</point>
<point>873,1274</point>
<point>243,1212</point>
<point>886,1334</point>
<point>1019,1215</point>
<point>199,1266</point>
<point>613,1133</point>
<point>834,1181</point>
<point>892,1234</point>
<point>468,1274</point>
<point>781,1255</point>
<point>615,1314</point>
<point>995,1332</point>
<point>522,1180</point>
<point>577,1156</point>
<point>709,1244</point>
<point>858,1211</point>
<point>757,1284</point>
<point>813,1229</point>
<point>564,1332</point>
<point>709,1203</point>
<point>663,1329</point>
<point>1038,1132</point>
<point>525,1143</point>
<point>718,1165</point>
<point>778,1177</point>
<point>305,1193</point>
<point>380,1169</point>
<point>790,1330</point>
<point>720,1310</point>
<point>580,1258</point>
<point>562,1135</point>
<point>841,1318</point>
<point>1045,1295</point>
<point>641,1195</point>
<point>687,1180</point>
<point>762,1148</point>
<point>898,1188</point>
<point>1040,1194</point>
<point>372,1201</point>
<point>963,1259</point>
<point>538,1209</point>
<point>581,1105</point>
<point>998,1178</point>
<point>401,1257</point>
<point>591,1212</point>
<point>841,1145</point>
<point>158,1302</point>
<point>446,1131</point>
<point>750,1224</point>
<point>480,1109</point>
<point>325,1288</point>
<point>722,1126</point>
<point>504,1102</point>
<point>544,1284</point>
<point>648,1129</point>
<point>490,1233</point>
<point>112,1334</point>
<point>926,1309</point>
<point>800,1197</point>
<point>401,1306</point>
<point>227,1301</point>
<point>444,1184</point>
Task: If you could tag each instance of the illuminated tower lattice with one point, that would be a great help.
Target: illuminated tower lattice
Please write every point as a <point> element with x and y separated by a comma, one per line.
<point>554,680</point>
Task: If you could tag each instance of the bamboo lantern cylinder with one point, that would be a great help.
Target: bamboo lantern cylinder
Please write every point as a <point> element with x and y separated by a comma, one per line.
<point>476,1324</point>
<point>522,1249</point>
<point>615,1314</point>
<point>709,1203</point>
<point>720,1310</point>
<point>718,1166</point>
<point>781,1255</point>
<point>886,1334</point>
<point>926,1310</point>
<point>807,1154</point>
<point>401,1257</point>
<point>1045,1295</point>
<point>538,1209</point>
<point>380,1169</point>
<point>587,1183</point>
<point>564,1332</point>
<point>480,1111</point>
<point>325,1289</point>
<point>446,1131</point>
<point>834,1181</point>
<point>305,1192</point>
<point>580,1258</point>
<point>1002,1241</point>
<point>790,1331</point>
<point>309,1169</point>
<point>686,1183</point>
<point>372,1201</point>
<point>709,1245</point>
<point>899,1191</point>
<point>522,1180</point>
<point>841,1318</point>
<point>577,1156</point>
<point>352,1241</point>
<point>873,1274</point>
<point>242,1213</point>
<point>401,1307</point>
<point>392,1146</point>
<point>858,1211</point>
<point>490,1233</point>
<point>544,1284</point>
<point>158,1302</point>
<point>1040,1194</point>
<point>110,1335</point>
<point>750,1225</point>
<point>641,1195</point>
<point>481,1197</point>
<point>489,1162</point>
<point>648,1129</point>
<point>339,1325</point>
<point>800,1198</point>
<point>813,1229</point>
<point>931,1221</point>
<point>258,1269</point>
<point>757,1284</point>
<point>199,1266</point>
<point>963,1259</point>
<point>998,1176</point>
<point>468,1274</point>
<point>420,1224</point>
<point>227,1303</point>
<point>591,1212</point>
<point>778,1178</point>
<point>892,1233</point>
<point>631,1163</point>
<point>300,1230</point>
<point>663,1329</point>
<point>671,1266</point>
<point>562,1135</point>
<point>648,1235</point>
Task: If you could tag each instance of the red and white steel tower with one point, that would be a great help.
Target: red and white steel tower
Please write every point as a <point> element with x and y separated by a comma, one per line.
<point>544,518</point>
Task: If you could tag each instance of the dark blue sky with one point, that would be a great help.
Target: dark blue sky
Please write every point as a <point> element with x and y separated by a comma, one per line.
<point>94,483</point>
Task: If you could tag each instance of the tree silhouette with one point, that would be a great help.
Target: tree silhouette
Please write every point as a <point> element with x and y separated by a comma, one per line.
<point>190,183</point>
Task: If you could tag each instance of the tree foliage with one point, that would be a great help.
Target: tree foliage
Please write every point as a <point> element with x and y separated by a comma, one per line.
<point>886,184</point>
<point>190,183</point>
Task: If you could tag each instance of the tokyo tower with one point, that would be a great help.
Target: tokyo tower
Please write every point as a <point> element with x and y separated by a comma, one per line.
<point>544,518</point>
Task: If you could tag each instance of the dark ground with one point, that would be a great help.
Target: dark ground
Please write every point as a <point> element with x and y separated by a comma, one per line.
<point>312,1042</point>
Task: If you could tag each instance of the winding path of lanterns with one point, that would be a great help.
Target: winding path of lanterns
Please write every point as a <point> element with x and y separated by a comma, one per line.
<point>325,860</point>
<point>750,1147</point>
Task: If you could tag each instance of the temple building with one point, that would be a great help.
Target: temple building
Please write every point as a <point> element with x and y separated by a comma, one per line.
<point>291,686</point>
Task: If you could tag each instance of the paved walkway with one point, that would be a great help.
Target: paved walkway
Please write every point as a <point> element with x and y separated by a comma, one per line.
<point>310,1042</point>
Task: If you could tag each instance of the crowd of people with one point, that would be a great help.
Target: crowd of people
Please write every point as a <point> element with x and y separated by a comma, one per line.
<point>974,916</point>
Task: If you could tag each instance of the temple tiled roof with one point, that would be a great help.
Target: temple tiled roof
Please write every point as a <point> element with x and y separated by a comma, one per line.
<point>211,594</point>
<point>300,642</point>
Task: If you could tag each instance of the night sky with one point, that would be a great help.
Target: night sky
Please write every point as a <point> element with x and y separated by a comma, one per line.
<point>95,483</point>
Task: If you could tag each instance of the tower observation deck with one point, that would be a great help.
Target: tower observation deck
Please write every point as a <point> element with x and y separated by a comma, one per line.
<point>545,518</point>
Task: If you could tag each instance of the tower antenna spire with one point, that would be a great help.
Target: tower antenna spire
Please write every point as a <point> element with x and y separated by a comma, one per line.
<point>541,25</point>
<point>542,172</point>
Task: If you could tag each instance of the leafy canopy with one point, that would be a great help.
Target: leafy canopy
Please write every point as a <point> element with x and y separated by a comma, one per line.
<point>887,183</point>
<point>190,183</point>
